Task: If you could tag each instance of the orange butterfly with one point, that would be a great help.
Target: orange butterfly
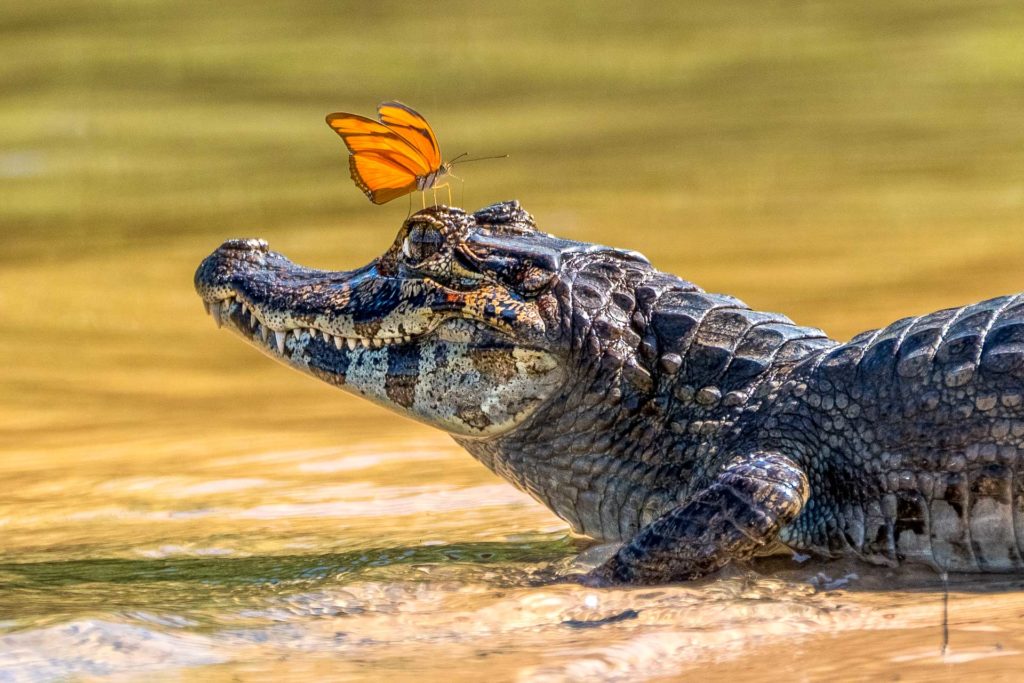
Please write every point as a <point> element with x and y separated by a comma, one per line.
<point>391,157</point>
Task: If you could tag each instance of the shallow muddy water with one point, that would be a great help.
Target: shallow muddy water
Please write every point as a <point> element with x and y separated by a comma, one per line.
<point>177,506</point>
<point>397,556</point>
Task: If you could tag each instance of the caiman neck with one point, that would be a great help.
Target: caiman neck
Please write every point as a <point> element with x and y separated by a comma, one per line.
<point>662,377</point>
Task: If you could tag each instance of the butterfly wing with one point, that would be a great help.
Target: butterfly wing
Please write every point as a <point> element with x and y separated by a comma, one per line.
<point>366,136</point>
<point>413,129</point>
<point>380,178</point>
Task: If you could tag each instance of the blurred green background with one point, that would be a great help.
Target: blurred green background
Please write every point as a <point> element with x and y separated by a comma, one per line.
<point>845,163</point>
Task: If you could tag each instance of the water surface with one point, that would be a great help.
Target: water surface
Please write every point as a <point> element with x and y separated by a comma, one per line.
<point>177,506</point>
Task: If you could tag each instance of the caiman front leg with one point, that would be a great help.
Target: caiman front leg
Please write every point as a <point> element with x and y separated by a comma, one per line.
<point>741,512</point>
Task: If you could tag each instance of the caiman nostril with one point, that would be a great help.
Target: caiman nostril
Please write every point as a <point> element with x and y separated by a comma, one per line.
<point>250,244</point>
<point>218,272</point>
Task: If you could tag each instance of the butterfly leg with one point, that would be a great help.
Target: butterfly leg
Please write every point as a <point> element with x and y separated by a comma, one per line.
<point>462,189</point>
<point>447,187</point>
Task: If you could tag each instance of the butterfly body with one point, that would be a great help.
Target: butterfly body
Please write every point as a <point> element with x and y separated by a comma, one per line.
<point>428,181</point>
<point>392,156</point>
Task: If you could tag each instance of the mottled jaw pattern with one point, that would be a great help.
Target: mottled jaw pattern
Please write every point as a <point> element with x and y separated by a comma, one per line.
<point>451,326</point>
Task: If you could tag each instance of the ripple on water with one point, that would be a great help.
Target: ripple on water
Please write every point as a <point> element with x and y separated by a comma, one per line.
<point>443,612</point>
<point>388,501</point>
<point>97,647</point>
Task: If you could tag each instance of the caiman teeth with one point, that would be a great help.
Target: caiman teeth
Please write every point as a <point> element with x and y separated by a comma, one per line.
<point>215,312</point>
<point>221,310</point>
<point>339,342</point>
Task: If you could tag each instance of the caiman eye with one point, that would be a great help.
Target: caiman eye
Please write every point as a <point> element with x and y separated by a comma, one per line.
<point>422,242</point>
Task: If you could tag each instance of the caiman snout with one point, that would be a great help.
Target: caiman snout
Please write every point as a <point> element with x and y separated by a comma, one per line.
<point>214,276</point>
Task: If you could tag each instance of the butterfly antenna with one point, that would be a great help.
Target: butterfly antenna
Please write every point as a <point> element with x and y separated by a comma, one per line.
<point>456,160</point>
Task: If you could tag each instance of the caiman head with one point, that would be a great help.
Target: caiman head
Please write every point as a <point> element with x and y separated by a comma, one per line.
<point>460,324</point>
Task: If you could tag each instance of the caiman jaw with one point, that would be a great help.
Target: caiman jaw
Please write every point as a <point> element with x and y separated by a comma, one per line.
<point>247,315</point>
<point>248,319</point>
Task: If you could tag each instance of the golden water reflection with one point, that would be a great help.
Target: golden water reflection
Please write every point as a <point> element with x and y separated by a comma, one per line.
<point>177,505</point>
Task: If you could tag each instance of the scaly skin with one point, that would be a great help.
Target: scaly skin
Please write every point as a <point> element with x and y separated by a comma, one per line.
<point>643,410</point>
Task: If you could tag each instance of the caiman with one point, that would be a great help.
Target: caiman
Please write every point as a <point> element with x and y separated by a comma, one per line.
<point>645,411</point>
